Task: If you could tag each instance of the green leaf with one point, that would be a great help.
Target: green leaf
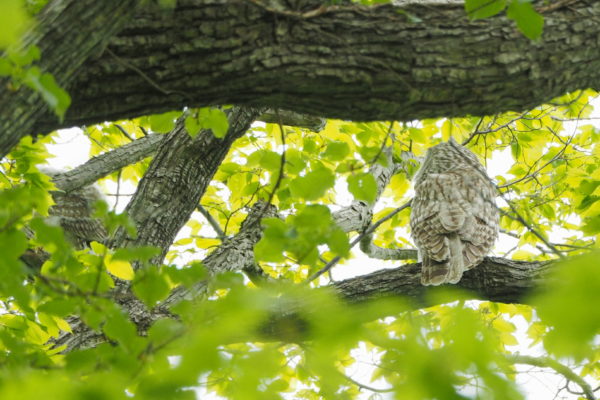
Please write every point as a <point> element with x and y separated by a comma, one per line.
<point>144,253</point>
<point>59,307</point>
<point>270,161</point>
<point>192,125</point>
<point>187,276</point>
<point>312,217</point>
<point>26,56</point>
<point>313,185</point>
<point>477,9</point>
<point>150,286</point>
<point>56,97</point>
<point>215,120</point>
<point>336,151</point>
<point>13,22</point>
<point>118,327</point>
<point>338,242</point>
<point>164,330</point>
<point>119,268</point>
<point>568,303</point>
<point>6,67</point>
<point>271,246</point>
<point>294,161</point>
<point>529,22</point>
<point>363,187</point>
<point>164,123</point>
<point>310,146</point>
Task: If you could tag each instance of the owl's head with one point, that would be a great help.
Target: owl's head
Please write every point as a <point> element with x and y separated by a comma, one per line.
<point>447,156</point>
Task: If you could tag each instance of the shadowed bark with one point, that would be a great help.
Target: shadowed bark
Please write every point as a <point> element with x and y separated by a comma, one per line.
<point>346,61</point>
<point>495,279</point>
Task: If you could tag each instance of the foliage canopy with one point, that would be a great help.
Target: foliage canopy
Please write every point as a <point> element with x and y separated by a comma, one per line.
<point>201,315</point>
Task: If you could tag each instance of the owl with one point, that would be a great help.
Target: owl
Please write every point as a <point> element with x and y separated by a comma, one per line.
<point>454,218</point>
<point>73,212</point>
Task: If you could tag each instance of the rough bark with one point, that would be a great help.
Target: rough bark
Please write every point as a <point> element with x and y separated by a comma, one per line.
<point>346,61</point>
<point>68,33</point>
<point>104,164</point>
<point>358,215</point>
<point>176,180</point>
<point>496,279</point>
<point>163,202</point>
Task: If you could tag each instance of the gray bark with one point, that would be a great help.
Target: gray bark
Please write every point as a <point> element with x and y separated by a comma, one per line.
<point>359,214</point>
<point>163,202</point>
<point>346,61</point>
<point>104,164</point>
<point>176,180</point>
<point>495,279</point>
<point>68,33</point>
<point>343,60</point>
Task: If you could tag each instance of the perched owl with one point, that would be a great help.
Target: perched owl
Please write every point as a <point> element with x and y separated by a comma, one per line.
<point>73,211</point>
<point>454,218</point>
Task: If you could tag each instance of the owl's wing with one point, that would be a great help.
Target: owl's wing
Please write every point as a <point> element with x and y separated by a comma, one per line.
<point>481,230</point>
<point>74,213</point>
<point>438,213</point>
<point>453,222</point>
<point>83,230</point>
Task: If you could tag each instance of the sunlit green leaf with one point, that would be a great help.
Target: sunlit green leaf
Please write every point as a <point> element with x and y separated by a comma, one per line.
<point>528,20</point>
<point>363,187</point>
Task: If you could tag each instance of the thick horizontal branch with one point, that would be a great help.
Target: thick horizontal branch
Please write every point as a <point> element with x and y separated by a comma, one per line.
<point>346,61</point>
<point>495,279</point>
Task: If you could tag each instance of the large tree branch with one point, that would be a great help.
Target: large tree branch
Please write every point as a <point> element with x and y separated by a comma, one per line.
<point>176,180</point>
<point>495,279</point>
<point>163,202</point>
<point>69,32</point>
<point>347,61</point>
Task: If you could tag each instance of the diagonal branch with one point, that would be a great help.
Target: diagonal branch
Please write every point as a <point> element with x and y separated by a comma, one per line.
<point>104,164</point>
<point>547,362</point>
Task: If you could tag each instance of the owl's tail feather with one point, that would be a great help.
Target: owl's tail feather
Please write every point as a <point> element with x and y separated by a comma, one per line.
<point>449,270</point>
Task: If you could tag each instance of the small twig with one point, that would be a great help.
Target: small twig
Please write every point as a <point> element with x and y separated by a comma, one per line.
<point>570,246</point>
<point>556,5</point>
<point>281,170</point>
<point>547,362</point>
<point>124,132</point>
<point>531,175</point>
<point>476,132</point>
<point>117,197</point>
<point>519,218</point>
<point>213,223</point>
<point>367,387</point>
<point>383,145</point>
<point>370,229</point>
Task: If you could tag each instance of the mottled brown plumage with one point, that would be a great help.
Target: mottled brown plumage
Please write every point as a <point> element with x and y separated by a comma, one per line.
<point>454,218</point>
<point>73,211</point>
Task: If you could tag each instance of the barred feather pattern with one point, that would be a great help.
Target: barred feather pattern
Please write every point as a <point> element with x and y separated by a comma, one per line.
<point>454,218</point>
<point>73,212</point>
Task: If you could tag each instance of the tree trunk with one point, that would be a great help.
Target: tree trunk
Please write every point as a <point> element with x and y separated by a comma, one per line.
<point>68,33</point>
